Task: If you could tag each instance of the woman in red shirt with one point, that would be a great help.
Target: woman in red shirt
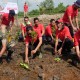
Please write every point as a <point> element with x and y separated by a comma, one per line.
<point>63,39</point>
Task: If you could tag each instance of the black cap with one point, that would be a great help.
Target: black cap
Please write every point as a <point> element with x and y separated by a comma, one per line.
<point>12,12</point>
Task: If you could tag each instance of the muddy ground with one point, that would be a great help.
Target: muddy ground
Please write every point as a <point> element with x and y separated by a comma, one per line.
<point>40,69</point>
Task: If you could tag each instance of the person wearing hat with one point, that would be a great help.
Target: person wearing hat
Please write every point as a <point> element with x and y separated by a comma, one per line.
<point>7,21</point>
<point>71,14</point>
<point>33,41</point>
<point>63,39</point>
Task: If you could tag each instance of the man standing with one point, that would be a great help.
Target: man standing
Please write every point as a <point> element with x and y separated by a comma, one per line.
<point>71,14</point>
<point>25,9</point>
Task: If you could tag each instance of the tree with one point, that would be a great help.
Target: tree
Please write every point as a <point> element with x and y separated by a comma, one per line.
<point>61,8</point>
<point>46,5</point>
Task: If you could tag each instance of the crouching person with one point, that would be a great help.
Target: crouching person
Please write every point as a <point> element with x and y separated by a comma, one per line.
<point>50,31</point>
<point>36,42</point>
<point>64,41</point>
<point>77,43</point>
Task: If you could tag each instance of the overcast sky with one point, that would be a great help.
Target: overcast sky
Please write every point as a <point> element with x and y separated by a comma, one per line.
<point>33,3</point>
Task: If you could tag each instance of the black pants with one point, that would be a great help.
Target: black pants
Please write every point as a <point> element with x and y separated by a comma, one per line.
<point>21,39</point>
<point>32,47</point>
<point>48,40</point>
<point>67,46</point>
<point>70,29</point>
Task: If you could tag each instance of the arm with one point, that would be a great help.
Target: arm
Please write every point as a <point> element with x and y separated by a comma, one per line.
<point>77,51</point>
<point>23,34</point>
<point>76,19</point>
<point>11,23</point>
<point>71,23</point>
<point>43,31</point>
<point>26,53</point>
<point>38,46</point>
<point>56,44</point>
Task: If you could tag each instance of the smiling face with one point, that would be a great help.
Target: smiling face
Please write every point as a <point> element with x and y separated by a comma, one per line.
<point>52,23</point>
<point>60,26</point>
<point>36,22</point>
<point>26,19</point>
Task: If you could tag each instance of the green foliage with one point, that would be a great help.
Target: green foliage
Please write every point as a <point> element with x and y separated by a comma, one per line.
<point>20,14</point>
<point>46,5</point>
<point>17,35</point>
<point>60,9</point>
<point>34,12</point>
<point>53,31</point>
<point>34,36</point>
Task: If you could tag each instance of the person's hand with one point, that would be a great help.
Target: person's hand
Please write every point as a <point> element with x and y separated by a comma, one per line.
<point>33,51</point>
<point>55,51</point>
<point>59,51</point>
<point>24,38</point>
<point>27,61</point>
<point>75,29</point>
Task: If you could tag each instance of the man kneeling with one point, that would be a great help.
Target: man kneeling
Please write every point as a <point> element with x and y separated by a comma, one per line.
<point>34,41</point>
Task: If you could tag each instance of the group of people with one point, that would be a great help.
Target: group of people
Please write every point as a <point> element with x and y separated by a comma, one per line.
<point>66,33</point>
<point>62,32</point>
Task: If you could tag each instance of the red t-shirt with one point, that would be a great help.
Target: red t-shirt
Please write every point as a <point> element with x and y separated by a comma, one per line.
<point>48,30</point>
<point>25,8</point>
<point>61,34</point>
<point>39,28</point>
<point>29,39</point>
<point>70,11</point>
<point>23,28</point>
<point>6,20</point>
<point>77,38</point>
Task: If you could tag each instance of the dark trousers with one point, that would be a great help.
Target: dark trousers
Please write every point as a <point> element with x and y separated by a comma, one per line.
<point>32,47</point>
<point>67,46</point>
<point>70,29</point>
<point>48,40</point>
<point>21,39</point>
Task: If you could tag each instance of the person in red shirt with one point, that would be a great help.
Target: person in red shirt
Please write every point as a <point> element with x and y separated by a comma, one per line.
<point>25,9</point>
<point>38,27</point>
<point>50,30</point>
<point>71,14</point>
<point>36,42</point>
<point>6,19</point>
<point>64,41</point>
<point>23,28</point>
<point>77,43</point>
